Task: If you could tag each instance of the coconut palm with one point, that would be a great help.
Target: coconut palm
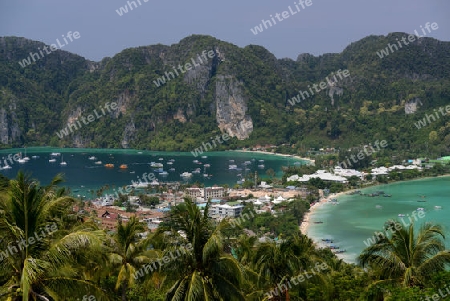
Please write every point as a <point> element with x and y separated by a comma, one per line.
<point>128,253</point>
<point>277,262</point>
<point>38,259</point>
<point>202,271</point>
<point>406,259</point>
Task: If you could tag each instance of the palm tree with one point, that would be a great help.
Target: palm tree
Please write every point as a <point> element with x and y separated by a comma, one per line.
<point>277,262</point>
<point>204,271</point>
<point>405,259</point>
<point>42,242</point>
<point>128,253</point>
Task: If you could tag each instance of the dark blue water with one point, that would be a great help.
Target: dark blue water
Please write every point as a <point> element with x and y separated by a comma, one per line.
<point>84,177</point>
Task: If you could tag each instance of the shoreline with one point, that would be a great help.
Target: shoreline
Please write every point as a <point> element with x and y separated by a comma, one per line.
<point>306,223</point>
<point>276,154</point>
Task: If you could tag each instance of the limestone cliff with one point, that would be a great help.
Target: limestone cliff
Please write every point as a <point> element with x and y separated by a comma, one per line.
<point>231,108</point>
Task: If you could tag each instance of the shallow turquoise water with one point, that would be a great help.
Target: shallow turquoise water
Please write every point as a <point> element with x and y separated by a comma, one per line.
<point>83,175</point>
<point>356,218</point>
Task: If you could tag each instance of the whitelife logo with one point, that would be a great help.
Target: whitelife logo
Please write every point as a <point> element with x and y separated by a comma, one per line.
<point>35,56</point>
<point>162,80</point>
<point>70,126</point>
<point>411,38</point>
<point>284,15</point>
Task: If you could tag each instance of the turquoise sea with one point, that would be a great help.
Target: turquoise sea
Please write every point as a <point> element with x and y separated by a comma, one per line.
<point>83,175</point>
<point>356,217</point>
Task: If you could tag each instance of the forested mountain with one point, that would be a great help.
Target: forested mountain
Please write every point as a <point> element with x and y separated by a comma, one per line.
<point>245,92</point>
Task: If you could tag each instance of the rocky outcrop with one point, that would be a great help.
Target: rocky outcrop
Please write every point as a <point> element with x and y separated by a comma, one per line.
<point>411,106</point>
<point>128,134</point>
<point>231,108</point>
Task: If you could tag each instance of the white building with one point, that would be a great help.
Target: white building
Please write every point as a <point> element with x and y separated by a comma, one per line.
<point>211,192</point>
<point>321,174</point>
<point>222,211</point>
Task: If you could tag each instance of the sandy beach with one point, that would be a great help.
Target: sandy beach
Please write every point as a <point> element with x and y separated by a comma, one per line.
<point>277,154</point>
<point>307,217</point>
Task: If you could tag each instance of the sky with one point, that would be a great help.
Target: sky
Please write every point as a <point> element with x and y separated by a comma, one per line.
<point>325,26</point>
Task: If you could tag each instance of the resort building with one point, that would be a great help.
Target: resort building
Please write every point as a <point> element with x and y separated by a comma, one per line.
<point>198,194</point>
<point>321,174</point>
<point>222,211</point>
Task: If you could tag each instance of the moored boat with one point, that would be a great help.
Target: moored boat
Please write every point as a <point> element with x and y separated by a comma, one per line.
<point>109,165</point>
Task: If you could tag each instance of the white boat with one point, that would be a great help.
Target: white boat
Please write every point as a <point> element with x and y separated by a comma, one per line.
<point>92,158</point>
<point>204,157</point>
<point>261,166</point>
<point>35,157</point>
<point>401,215</point>
<point>378,206</point>
<point>26,158</point>
<point>156,165</point>
<point>6,167</point>
<point>232,166</point>
<point>140,185</point>
<point>207,165</point>
<point>169,163</point>
<point>63,163</point>
<point>172,169</point>
<point>435,207</point>
<point>52,160</point>
<point>163,173</point>
<point>260,160</point>
<point>98,162</point>
<point>420,209</point>
<point>160,159</point>
<point>55,154</point>
<point>186,174</point>
<point>205,175</point>
<point>22,161</point>
<point>197,170</point>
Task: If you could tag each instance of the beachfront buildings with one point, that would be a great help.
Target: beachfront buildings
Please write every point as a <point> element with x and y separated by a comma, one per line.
<point>321,174</point>
<point>199,193</point>
<point>222,211</point>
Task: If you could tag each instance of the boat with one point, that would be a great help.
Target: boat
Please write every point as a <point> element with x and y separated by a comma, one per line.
<point>378,206</point>
<point>327,240</point>
<point>156,165</point>
<point>421,201</point>
<point>230,167</point>
<point>318,222</point>
<point>160,159</point>
<point>196,170</point>
<point>123,166</point>
<point>140,185</point>
<point>63,163</point>
<point>186,174</point>
<point>339,251</point>
<point>437,207</point>
<point>170,163</point>
<point>204,157</point>
<point>132,172</point>
<point>261,161</point>
<point>109,165</point>
<point>6,167</point>
<point>163,173</point>
<point>22,161</point>
<point>420,209</point>
<point>26,158</point>
<point>261,166</point>
<point>52,160</point>
<point>172,169</point>
<point>205,175</point>
<point>247,162</point>
<point>231,161</point>
<point>401,215</point>
<point>35,157</point>
<point>195,161</point>
<point>207,165</point>
<point>92,158</point>
<point>139,152</point>
<point>98,162</point>
<point>55,154</point>
<point>387,195</point>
